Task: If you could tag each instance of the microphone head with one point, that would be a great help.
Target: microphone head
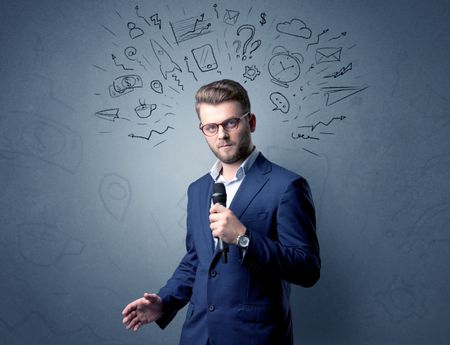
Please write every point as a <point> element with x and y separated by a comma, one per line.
<point>219,194</point>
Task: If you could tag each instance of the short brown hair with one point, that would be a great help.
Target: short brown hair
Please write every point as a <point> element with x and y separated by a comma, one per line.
<point>222,91</point>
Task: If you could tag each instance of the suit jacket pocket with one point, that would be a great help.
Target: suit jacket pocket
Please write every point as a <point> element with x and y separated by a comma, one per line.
<point>253,216</point>
<point>255,313</point>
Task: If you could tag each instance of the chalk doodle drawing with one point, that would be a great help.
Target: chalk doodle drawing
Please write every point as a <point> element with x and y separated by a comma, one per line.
<point>45,244</point>
<point>284,67</point>
<point>295,27</point>
<point>33,137</point>
<point>166,63</point>
<point>306,72</point>
<point>402,299</point>
<point>108,114</point>
<point>134,31</point>
<point>204,57</point>
<point>190,28</point>
<point>328,55</point>
<point>263,20</point>
<point>230,17</point>
<point>115,193</point>
<point>157,86</point>
<point>144,110</point>
<point>280,102</point>
<point>124,84</point>
<point>251,72</point>
<point>254,45</point>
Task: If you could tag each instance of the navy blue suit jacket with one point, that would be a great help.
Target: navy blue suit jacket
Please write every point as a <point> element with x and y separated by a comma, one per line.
<point>246,301</point>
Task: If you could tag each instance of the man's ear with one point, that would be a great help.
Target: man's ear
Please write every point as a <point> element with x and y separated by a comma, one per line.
<point>252,122</point>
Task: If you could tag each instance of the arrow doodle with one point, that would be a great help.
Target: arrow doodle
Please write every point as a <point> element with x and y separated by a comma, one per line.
<point>318,38</point>
<point>313,127</point>
<point>132,135</point>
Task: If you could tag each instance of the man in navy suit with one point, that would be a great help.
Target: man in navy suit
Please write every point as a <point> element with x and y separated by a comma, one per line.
<point>268,228</point>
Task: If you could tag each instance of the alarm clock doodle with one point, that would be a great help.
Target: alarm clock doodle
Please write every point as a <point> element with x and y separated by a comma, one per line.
<point>284,66</point>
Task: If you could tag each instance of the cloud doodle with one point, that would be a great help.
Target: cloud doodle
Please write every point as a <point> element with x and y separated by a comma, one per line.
<point>295,27</point>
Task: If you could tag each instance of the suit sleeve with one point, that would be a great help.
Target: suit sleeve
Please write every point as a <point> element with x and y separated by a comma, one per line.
<point>178,289</point>
<point>294,254</point>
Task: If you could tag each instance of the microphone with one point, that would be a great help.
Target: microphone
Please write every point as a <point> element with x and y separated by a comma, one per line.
<point>220,197</point>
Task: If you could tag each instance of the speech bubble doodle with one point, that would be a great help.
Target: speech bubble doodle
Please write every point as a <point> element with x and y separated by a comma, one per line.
<point>280,102</point>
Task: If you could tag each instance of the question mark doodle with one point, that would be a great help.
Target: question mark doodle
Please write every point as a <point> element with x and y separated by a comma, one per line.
<point>238,47</point>
<point>258,43</point>
<point>247,42</point>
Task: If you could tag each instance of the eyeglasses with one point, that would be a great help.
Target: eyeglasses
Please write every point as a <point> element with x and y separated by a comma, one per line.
<point>210,129</point>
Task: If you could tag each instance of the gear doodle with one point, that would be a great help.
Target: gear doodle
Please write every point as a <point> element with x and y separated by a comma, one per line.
<point>251,72</point>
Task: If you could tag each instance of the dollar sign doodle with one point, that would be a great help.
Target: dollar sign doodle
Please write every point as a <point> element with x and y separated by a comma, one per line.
<point>263,18</point>
<point>127,82</point>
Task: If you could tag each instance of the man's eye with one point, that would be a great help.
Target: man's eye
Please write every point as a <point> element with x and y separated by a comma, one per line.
<point>209,128</point>
<point>231,123</point>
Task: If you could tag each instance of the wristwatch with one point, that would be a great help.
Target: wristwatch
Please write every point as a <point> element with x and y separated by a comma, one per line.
<point>243,241</point>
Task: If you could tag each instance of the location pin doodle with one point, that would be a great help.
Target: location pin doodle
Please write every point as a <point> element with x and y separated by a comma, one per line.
<point>156,86</point>
<point>115,193</point>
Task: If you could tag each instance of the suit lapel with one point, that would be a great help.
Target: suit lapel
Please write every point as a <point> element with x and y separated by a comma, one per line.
<point>205,206</point>
<point>253,182</point>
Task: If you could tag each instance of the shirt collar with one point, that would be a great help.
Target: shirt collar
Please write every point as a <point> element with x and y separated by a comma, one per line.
<point>242,170</point>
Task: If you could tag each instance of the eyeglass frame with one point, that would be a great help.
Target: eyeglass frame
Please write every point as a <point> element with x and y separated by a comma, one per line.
<point>237,119</point>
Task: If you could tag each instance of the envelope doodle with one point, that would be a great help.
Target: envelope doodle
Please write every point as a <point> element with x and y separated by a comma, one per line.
<point>230,17</point>
<point>328,55</point>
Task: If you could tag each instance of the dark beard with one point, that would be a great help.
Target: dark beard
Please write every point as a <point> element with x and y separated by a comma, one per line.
<point>241,154</point>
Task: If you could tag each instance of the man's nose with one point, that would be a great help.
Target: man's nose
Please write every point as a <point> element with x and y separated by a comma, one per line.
<point>222,133</point>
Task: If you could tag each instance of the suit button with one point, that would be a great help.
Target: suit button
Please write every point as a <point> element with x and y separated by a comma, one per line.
<point>213,273</point>
<point>211,308</point>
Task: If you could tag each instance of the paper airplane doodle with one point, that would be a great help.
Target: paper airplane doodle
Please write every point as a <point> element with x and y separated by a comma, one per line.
<point>108,114</point>
<point>336,94</point>
<point>166,64</point>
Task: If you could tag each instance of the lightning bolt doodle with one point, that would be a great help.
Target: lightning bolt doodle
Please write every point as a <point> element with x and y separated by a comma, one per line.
<point>174,76</point>
<point>156,20</point>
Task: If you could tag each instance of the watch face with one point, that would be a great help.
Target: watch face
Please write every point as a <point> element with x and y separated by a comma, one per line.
<point>243,241</point>
<point>284,68</point>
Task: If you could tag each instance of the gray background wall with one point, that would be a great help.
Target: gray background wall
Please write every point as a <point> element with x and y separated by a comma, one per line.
<point>92,216</point>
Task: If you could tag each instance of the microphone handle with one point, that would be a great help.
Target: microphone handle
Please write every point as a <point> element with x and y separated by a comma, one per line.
<point>223,249</point>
